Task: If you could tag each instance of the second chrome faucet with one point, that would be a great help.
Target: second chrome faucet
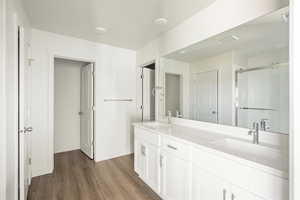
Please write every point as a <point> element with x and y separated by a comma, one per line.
<point>254,132</point>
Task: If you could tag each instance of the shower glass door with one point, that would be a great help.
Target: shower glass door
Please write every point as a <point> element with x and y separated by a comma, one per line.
<point>262,96</point>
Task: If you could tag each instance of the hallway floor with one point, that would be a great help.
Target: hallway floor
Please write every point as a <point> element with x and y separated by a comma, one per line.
<point>76,177</point>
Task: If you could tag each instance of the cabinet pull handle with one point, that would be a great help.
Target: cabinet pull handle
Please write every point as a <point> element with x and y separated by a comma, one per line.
<point>224,194</point>
<point>143,150</point>
<point>171,147</point>
<point>232,197</point>
<point>161,161</point>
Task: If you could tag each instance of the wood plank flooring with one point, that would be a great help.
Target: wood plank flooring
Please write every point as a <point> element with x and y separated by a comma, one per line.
<point>76,177</point>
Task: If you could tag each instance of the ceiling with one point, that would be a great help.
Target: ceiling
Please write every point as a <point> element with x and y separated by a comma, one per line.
<point>129,23</point>
<point>265,33</point>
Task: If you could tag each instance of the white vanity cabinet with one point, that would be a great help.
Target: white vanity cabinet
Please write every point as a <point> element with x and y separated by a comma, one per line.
<point>146,159</point>
<point>175,170</point>
<point>246,182</point>
<point>237,193</point>
<point>207,186</point>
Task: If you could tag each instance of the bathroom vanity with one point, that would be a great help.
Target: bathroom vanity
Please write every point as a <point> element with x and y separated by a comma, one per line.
<point>227,103</point>
<point>187,163</point>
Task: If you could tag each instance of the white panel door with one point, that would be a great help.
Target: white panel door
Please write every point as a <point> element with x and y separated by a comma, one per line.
<point>140,159</point>
<point>174,178</point>
<point>146,163</point>
<point>86,111</point>
<point>152,167</point>
<point>24,126</point>
<point>204,96</point>
<point>206,186</point>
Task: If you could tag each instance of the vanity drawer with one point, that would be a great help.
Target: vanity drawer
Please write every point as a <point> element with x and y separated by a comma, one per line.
<point>177,148</point>
<point>147,136</point>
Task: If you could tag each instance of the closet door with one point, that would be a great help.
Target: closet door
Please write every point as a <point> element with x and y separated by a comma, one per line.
<point>204,96</point>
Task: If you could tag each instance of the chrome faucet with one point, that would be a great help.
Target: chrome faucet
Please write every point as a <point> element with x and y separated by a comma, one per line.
<point>178,115</point>
<point>169,117</point>
<point>254,132</point>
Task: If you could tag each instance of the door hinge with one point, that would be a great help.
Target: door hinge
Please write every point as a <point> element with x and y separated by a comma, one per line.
<point>142,76</point>
<point>29,161</point>
<point>142,107</point>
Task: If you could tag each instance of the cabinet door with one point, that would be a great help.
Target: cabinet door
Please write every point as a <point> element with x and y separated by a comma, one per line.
<point>140,158</point>
<point>206,186</point>
<point>152,167</point>
<point>241,194</point>
<point>174,178</point>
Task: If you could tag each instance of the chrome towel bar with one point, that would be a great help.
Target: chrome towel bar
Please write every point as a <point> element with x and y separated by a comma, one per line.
<point>108,100</point>
<point>247,108</point>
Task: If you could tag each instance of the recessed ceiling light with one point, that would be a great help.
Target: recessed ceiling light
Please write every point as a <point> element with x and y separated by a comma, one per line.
<point>101,29</point>
<point>182,52</point>
<point>161,21</point>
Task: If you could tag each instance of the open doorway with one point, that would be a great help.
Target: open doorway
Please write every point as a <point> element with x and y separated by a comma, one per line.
<point>73,106</point>
<point>173,94</point>
<point>148,92</point>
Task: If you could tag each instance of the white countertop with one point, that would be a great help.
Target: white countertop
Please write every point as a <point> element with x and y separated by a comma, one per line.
<point>264,157</point>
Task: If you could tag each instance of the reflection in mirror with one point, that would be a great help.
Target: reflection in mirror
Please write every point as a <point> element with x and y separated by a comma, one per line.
<point>237,78</point>
<point>173,94</point>
<point>262,96</point>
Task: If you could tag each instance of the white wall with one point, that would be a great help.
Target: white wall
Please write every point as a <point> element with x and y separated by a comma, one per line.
<point>294,102</point>
<point>66,105</point>
<point>115,77</point>
<point>224,64</point>
<point>14,15</point>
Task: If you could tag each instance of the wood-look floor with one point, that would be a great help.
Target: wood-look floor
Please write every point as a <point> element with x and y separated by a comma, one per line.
<point>76,177</point>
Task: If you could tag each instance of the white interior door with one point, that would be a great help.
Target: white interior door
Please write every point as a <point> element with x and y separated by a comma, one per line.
<point>204,96</point>
<point>86,111</point>
<point>24,126</point>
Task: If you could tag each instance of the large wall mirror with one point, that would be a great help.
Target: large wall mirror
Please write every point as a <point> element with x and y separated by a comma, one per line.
<point>237,78</point>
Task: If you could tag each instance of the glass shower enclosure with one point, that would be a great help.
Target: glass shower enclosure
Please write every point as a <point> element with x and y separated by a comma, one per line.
<point>262,96</point>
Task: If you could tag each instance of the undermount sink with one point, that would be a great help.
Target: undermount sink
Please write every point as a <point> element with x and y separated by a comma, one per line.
<point>156,125</point>
<point>253,152</point>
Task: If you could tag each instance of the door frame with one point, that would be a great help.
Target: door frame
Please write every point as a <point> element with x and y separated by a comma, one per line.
<point>140,72</point>
<point>51,102</point>
<point>2,101</point>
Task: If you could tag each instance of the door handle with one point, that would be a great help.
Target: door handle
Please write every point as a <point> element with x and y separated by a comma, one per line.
<point>171,147</point>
